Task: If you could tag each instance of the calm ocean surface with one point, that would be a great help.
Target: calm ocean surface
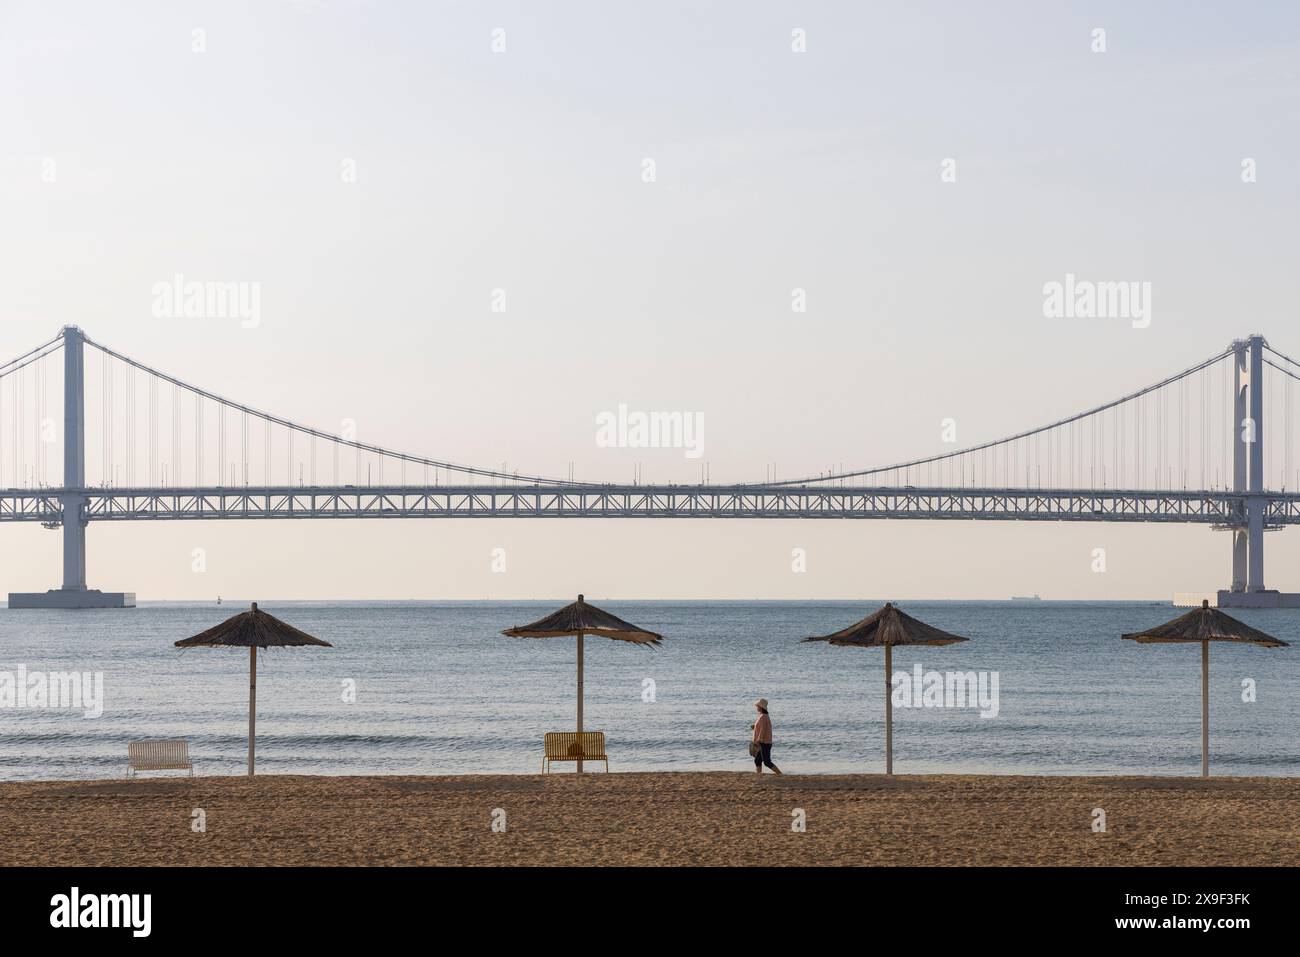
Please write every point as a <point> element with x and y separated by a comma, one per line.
<point>440,691</point>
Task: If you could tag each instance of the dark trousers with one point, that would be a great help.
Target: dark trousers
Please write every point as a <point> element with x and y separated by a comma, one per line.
<point>764,756</point>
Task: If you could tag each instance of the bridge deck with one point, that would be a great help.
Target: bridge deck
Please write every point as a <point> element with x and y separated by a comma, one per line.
<point>1208,507</point>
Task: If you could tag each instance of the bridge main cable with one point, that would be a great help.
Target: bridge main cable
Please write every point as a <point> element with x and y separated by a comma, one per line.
<point>858,473</point>
<point>330,437</point>
<point>34,355</point>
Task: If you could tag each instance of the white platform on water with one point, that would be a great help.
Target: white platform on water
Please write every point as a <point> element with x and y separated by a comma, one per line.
<point>70,598</point>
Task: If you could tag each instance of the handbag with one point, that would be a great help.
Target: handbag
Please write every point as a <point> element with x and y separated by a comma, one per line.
<point>755,749</point>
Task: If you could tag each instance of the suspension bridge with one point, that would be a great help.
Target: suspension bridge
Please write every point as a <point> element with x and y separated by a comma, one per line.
<point>1195,447</point>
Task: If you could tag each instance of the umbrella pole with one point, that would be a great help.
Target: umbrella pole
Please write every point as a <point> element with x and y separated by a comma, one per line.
<point>1205,709</point>
<point>252,703</point>
<point>580,700</point>
<point>889,710</point>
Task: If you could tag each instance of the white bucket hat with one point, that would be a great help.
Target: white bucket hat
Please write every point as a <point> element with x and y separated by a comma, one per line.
<point>761,703</point>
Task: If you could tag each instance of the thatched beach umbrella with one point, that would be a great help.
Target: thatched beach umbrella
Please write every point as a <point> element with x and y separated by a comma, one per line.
<point>1205,624</point>
<point>577,620</point>
<point>889,627</point>
<point>252,629</point>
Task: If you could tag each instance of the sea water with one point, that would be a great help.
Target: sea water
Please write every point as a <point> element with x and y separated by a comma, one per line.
<point>434,688</point>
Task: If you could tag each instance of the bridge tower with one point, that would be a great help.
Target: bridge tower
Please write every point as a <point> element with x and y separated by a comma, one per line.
<point>74,460</point>
<point>1247,590</point>
<point>1240,465</point>
<point>72,497</point>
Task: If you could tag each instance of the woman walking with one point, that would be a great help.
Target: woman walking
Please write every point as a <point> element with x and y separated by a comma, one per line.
<point>761,744</point>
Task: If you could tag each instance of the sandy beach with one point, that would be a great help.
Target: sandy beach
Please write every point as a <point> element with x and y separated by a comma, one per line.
<point>695,818</point>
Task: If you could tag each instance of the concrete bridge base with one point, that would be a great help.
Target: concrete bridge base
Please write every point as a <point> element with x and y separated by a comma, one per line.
<point>1258,599</point>
<point>70,598</point>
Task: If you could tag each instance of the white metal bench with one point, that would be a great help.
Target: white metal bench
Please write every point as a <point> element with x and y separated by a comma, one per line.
<point>164,754</point>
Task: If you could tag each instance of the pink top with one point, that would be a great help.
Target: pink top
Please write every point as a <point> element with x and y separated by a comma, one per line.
<point>763,729</point>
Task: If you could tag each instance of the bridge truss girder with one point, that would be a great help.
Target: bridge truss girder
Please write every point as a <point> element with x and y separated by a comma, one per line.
<point>1219,508</point>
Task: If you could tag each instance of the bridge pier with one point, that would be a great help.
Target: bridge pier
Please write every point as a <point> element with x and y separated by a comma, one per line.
<point>1240,550</point>
<point>74,544</point>
<point>74,593</point>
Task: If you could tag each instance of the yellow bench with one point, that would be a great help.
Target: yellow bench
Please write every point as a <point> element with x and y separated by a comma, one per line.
<point>574,746</point>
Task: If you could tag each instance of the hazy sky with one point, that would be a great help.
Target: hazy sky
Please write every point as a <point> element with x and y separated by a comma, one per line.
<point>522,171</point>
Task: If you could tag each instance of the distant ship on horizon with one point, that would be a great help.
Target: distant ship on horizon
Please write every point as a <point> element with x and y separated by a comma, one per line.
<point>1025,598</point>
